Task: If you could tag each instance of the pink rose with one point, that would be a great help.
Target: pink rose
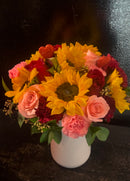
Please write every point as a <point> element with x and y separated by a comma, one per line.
<point>14,72</point>
<point>96,108</point>
<point>75,126</point>
<point>29,103</point>
<point>91,59</point>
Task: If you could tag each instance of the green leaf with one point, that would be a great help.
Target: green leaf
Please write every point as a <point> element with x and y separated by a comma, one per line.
<point>33,120</point>
<point>34,81</point>
<point>102,134</point>
<point>90,137</point>
<point>52,123</point>
<point>50,137</point>
<point>4,85</point>
<point>51,70</point>
<point>56,135</point>
<point>44,136</point>
<point>21,120</point>
<point>94,131</point>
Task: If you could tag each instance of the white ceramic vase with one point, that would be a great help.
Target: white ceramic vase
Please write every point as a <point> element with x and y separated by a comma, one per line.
<point>70,153</point>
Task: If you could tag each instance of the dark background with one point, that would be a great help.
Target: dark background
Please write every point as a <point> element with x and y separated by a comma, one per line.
<point>25,25</point>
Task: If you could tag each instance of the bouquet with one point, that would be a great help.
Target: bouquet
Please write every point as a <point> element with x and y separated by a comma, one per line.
<point>67,89</point>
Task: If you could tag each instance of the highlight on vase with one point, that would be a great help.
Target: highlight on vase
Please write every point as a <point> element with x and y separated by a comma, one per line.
<point>67,89</point>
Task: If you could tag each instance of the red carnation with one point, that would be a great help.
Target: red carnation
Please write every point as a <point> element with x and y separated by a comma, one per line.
<point>47,51</point>
<point>98,82</point>
<point>56,47</point>
<point>108,63</point>
<point>111,103</point>
<point>44,113</point>
<point>41,68</point>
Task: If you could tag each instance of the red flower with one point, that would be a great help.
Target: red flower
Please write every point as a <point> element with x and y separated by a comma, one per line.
<point>44,113</point>
<point>47,51</point>
<point>108,63</point>
<point>111,103</point>
<point>98,82</point>
<point>41,68</point>
<point>56,47</point>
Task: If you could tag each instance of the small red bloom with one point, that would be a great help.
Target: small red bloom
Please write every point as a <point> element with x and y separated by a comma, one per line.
<point>56,47</point>
<point>44,113</point>
<point>47,51</point>
<point>108,63</point>
<point>41,68</point>
<point>98,82</point>
<point>111,103</point>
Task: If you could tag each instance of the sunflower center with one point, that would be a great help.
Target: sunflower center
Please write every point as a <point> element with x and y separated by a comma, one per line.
<point>66,91</point>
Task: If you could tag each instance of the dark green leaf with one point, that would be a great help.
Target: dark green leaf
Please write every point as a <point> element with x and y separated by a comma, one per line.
<point>94,131</point>
<point>21,120</point>
<point>50,137</point>
<point>4,85</point>
<point>57,136</point>
<point>44,136</point>
<point>90,136</point>
<point>102,134</point>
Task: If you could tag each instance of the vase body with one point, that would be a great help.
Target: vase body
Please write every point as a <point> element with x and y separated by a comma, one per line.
<point>70,153</point>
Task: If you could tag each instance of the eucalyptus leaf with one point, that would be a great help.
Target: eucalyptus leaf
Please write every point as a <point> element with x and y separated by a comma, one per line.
<point>4,85</point>
<point>95,131</point>
<point>102,134</point>
<point>90,137</point>
<point>21,120</point>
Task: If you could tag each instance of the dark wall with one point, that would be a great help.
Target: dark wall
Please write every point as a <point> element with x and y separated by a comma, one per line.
<point>25,25</point>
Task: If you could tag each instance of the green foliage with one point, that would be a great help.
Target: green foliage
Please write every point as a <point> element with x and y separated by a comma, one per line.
<point>55,67</point>
<point>100,132</point>
<point>33,120</point>
<point>44,136</point>
<point>34,81</point>
<point>21,120</point>
<point>53,131</point>
<point>4,85</point>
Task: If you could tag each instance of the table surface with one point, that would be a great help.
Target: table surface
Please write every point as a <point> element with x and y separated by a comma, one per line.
<point>22,158</point>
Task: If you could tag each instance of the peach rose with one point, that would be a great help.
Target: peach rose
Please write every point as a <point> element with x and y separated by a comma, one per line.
<point>91,59</point>
<point>96,108</point>
<point>29,102</point>
<point>75,126</point>
<point>14,72</point>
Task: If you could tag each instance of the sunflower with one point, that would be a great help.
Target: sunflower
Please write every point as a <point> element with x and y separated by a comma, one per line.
<point>66,91</point>
<point>117,92</point>
<point>35,57</point>
<point>21,83</point>
<point>73,55</point>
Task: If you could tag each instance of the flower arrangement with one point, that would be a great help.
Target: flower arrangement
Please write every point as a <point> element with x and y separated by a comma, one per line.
<point>67,88</point>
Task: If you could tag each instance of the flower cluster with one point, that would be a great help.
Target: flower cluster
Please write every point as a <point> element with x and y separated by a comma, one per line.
<point>72,84</point>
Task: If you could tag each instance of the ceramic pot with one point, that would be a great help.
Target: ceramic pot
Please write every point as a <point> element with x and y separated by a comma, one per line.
<point>70,153</point>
